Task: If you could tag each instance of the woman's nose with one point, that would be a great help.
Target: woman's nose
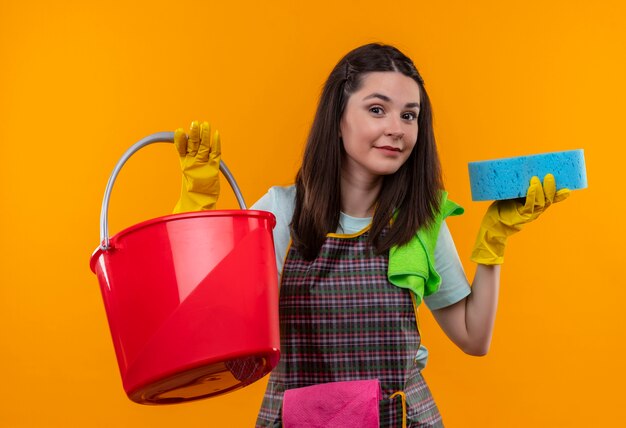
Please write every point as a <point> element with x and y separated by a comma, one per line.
<point>394,129</point>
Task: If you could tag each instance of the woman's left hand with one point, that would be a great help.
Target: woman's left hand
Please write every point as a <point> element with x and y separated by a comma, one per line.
<point>506,217</point>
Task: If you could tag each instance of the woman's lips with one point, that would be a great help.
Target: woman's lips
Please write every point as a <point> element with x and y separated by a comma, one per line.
<point>389,149</point>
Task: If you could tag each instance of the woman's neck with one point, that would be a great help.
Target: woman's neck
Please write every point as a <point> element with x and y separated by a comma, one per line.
<point>359,194</point>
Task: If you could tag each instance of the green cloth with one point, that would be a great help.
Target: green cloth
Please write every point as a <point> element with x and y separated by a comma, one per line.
<point>412,265</point>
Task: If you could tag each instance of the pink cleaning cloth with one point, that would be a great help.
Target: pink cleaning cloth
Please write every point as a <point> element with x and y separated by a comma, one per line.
<point>334,404</point>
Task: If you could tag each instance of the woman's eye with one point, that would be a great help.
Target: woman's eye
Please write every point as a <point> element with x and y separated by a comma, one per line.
<point>376,110</point>
<point>409,116</point>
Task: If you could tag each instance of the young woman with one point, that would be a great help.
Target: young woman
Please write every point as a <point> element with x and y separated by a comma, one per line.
<point>361,238</point>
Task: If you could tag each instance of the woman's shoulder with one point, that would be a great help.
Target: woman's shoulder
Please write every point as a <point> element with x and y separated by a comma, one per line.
<point>283,193</point>
<point>279,200</point>
<point>282,196</point>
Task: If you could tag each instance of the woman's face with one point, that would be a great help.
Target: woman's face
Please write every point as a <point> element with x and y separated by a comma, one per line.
<point>379,124</point>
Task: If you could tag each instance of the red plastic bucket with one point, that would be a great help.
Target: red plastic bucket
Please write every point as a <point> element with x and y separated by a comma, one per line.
<point>191,299</point>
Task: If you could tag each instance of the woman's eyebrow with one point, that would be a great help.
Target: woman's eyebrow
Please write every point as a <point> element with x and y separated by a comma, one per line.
<point>377,95</point>
<point>387,99</point>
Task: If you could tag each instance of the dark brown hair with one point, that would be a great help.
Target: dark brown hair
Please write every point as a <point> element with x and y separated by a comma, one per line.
<point>413,190</point>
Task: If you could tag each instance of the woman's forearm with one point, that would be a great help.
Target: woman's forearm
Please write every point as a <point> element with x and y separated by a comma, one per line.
<point>481,306</point>
<point>469,322</point>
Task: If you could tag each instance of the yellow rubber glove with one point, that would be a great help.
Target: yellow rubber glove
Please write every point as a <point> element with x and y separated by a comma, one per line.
<point>504,218</point>
<point>200,163</point>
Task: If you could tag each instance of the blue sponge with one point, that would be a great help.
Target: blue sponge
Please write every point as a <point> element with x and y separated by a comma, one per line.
<point>508,178</point>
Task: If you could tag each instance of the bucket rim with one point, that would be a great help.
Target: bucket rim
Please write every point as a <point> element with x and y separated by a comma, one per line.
<point>175,217</point>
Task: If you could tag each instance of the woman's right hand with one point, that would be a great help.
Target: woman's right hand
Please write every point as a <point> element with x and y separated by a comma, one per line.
<point>200,162</point>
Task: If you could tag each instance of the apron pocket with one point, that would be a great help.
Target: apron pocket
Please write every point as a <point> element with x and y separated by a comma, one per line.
<point>333,404</point>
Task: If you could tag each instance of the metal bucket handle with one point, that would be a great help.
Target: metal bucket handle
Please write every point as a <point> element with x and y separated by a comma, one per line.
<point>159,137</point>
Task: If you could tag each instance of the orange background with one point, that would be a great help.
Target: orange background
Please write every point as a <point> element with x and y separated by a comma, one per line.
<point>79,83</point>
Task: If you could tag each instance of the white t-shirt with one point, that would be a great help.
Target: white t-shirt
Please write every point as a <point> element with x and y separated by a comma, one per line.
<point>280,201</point>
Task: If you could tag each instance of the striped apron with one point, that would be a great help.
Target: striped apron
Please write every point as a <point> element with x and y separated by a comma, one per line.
<point>341,320</point>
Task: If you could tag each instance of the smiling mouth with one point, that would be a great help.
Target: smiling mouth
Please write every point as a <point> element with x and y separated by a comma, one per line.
<point>392,149</point>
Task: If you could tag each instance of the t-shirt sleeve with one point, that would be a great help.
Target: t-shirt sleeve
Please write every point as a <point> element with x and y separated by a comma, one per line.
<point>454,285</point>
<point>280,201</point>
